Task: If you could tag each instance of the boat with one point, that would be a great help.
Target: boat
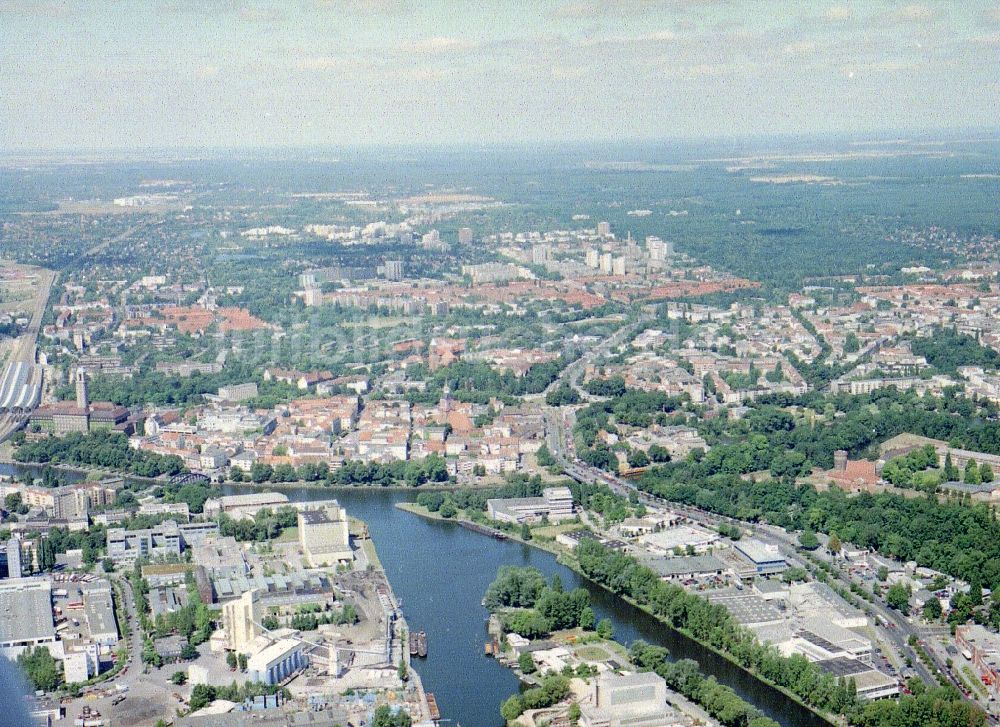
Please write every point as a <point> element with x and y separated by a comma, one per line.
<point>483,529</point>
<point>432,706</point>
<point>418,644</point>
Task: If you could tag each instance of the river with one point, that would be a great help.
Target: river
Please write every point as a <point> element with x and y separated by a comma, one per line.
<point>440,572</point>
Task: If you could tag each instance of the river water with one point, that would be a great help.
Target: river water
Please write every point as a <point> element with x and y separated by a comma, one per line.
<point>440,571</point>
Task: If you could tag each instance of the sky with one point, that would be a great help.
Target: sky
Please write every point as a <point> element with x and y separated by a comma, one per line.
<point>136,74</point>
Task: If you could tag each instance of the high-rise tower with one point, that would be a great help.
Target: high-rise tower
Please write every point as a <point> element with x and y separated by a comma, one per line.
<point>82,400</point>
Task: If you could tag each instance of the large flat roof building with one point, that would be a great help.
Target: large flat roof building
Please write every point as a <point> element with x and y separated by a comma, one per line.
<point>276,662</point>
<point>166,540</point>
<point>629,700</point>
<point>555,504</point>
<point>99,609</point>
<point>684,567</point>
<point>766,559</point>
<point>869,682</point>
<point>244,506</point>
<point>128,546</point>
<point>25,614</point>
<point>324,535</point>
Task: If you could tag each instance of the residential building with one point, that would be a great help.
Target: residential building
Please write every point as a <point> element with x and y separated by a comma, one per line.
<point>15,566</point>
<point>238,392</point>
<point>127,546</point>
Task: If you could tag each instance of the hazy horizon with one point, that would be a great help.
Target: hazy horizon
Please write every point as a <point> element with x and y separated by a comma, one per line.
<point>186,75</point>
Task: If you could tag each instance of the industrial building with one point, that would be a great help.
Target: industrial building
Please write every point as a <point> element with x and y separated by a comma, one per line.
<point>819,640</point>
<point>241,622</point>
<point>869,682</point>
<point>294,589</point>
<point>128,546</point>
<point>81,415</point>
<point>765,559</point>
<point>555,504</point>
<point>99,610</point>
<point>324,535</point>
<point>679,538</point>
<point>818,599</point>
<point>238,392</point>
<point>275,663</point>
<point>78,666</point>
<point>746,608</point>
<point>630,700</point>
<point>683,568</point>
<point>244,507</point>
<point>26,615</point>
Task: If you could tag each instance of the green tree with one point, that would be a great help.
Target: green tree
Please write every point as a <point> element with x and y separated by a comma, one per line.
<point>544,457</point>
<point>512,708</point>
<point>932,609</point>
<point>985,472</point>
<point>41,669</point>
<point>808,540</point>
<point>971,476</point>
<point>201,696</point>
<point>402,671</point>
<point>834,545</point>
<point>976,593</point>
<point>658,453</point>
<point>13,502</point>
<point>526,663</point>
<point>638,458</point>
<point>385,716</point>
<point>179,678</point>
<point>587,619</point>
<point>604,629</point>
<point>898,597</point>
<point>525,531</point>
<point>448,509</point>
<point>950,470</point>
<point>260,472</point>
<point>189,651</point>
<point>514,587</point>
